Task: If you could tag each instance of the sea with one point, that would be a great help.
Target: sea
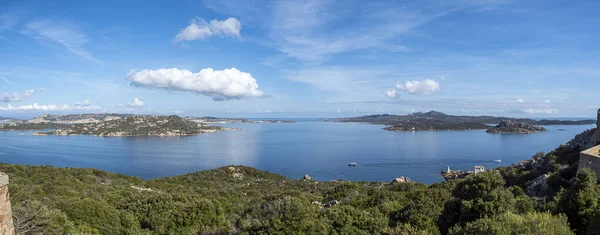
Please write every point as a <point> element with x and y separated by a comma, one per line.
<point>311,147</point>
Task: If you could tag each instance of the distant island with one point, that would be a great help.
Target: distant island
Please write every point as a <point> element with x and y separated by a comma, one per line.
<point>508,126</point>
<point>433,120</point>
<point>138,126</point>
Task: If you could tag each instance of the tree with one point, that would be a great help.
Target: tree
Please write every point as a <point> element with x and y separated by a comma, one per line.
<point>509,223</point>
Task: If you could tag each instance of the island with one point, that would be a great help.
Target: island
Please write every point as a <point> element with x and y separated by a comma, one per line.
<point>434,125</point>
<point>100,117</point>
<point>433,120</point>
<point>144,125</point>
<point>508,126</point>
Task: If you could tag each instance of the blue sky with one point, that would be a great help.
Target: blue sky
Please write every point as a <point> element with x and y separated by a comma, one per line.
<point>300,58</point>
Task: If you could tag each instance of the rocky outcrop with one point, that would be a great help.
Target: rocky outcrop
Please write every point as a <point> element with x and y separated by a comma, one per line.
<point>509,126</point>
<point>307,177</point>
<point>538,186</point>
<point>400,179</point>
<point>6,220</point>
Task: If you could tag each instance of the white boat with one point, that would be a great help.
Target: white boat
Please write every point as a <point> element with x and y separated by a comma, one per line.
<point>352,164</point>
<point>497,161</point>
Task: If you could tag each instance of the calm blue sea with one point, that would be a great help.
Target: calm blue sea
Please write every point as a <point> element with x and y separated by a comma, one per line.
<point>320,149</point>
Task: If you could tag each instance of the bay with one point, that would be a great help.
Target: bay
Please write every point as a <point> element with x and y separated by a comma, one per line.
<point>319,149</point>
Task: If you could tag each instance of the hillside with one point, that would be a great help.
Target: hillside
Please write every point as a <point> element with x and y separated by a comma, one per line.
<point>508,126</point>
<point>137,126</point>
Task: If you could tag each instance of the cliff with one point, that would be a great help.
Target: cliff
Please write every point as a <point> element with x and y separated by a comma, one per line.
<point>6,219</point>
<point>509,126</point>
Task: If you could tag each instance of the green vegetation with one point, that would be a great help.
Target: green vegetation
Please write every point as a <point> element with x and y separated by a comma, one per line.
<point>248,201</point>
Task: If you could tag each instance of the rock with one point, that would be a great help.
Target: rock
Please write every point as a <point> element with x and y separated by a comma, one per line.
<point>231,168</point>
<point>238,175</point>
<point>307,177</point>
<point>400,179</point>
<point>538,186</point>
<point>333,203</point>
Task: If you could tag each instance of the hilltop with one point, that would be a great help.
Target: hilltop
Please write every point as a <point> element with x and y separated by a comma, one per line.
<point>138,126</point>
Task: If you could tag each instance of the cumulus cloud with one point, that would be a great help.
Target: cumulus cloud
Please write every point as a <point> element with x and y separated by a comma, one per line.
<point>520,101</point>
<point>200,29</point>
<point>136,103</point>
<point>221,85</point>
<point>540,111</point>
<point>424,87</point>
<point>14,97</point>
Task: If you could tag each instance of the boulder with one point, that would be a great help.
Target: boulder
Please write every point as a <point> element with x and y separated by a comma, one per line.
<point>307,177</point>
<point>401,179</point>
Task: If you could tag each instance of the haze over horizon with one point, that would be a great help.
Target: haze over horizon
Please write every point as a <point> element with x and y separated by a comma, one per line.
<point>312,58</point>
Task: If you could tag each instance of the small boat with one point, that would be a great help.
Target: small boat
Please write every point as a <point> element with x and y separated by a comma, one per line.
<point>21,134</point>
<point>352,164</point>
<point>497,161</point>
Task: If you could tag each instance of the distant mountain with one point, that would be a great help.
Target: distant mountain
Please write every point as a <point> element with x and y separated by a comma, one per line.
<point>387,119</point>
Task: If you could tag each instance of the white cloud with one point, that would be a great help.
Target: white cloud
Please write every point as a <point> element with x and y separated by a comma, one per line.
<point>200,29</point>
<point>136,103</point>
<point>60,33</point>
<point>520,101</point>
<point>425,87</point>
<point>391,93</point>
<point>47,107</point>
<point>540,111</point>
<point>6,97</point>
<point>221,85</point>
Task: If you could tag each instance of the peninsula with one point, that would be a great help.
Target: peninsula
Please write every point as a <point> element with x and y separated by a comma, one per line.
<point>138,126</point>
<point>434,120</point>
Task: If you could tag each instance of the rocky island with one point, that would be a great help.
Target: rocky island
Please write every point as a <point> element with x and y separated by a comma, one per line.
<point>433,120</point>
<point>138,126</point>
<point>509,126</point>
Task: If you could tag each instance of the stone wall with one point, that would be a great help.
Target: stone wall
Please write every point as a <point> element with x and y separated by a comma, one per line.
<point>590,159</point>
<point>6,221</point>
